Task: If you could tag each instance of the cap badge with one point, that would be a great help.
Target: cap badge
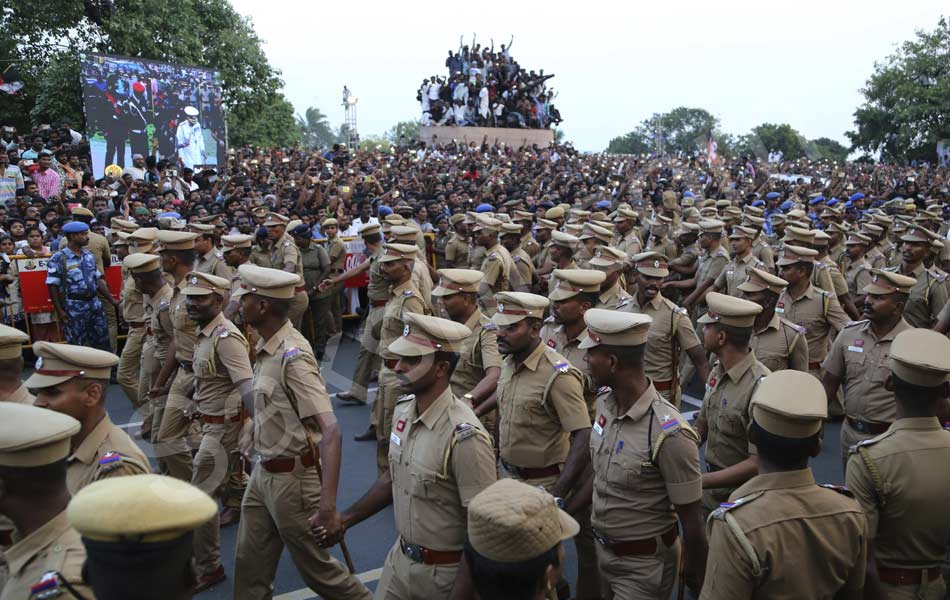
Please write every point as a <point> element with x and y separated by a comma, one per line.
<point>39,363</point>
<point>501,308</point>
<point>194,281</point>
<point>405,330</point>
<point>594,336</point>
<point>656,264</point>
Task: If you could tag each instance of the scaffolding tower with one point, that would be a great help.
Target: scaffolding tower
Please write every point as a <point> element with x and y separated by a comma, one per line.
<point>349,118</point>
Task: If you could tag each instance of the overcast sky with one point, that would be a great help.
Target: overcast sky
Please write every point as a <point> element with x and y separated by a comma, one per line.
<point>616,63</point>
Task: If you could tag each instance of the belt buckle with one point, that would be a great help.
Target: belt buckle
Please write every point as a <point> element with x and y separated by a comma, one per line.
<point>413,551</point>
<point>861,426</point>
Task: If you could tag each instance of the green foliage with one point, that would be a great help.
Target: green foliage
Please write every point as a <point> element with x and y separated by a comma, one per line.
<point>410,129</point>
<point>635,142</point>
<point>827,149</point>
<point>685,130</point>
<point>907,99</point>
<point>783,137</point>
<point>269,125</point>
<point>382,143</point>
<point>315,130</point>
<point>206,33</point>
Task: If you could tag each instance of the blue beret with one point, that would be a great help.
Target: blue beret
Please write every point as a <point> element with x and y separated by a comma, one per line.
<point>483,208</point>
<point>758,203</point>
<point>833,201</point>
<point>75,227</point>
<point>261,231</point>
<point>385,211</point>
<point>688,194</point>
<point>787,205</point>
<point>816,200</point>
<point>300,230</point>
<point>856,196</point>
<point>169,215</point>
<point>848,204</point>
<point>773,195</point>
<point>603,204</point>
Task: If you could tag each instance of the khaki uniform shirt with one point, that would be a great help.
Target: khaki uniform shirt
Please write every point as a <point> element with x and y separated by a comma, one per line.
<point>133,301</point>
<point>645,461</point>
<point>280,253</point>
<point>781,345</point>
<point>221,362</point>
<point>811,541</point>
<point>540,401</point>
<point>819,313</point>
<point>524,269</point>
<point>735,273</point>
<point>160,331</point>
<point>904,499</point>
<point>476,254</point>
<point>726,411</point>
<point>542,256</point>
<point>928,296</point>
<point>857,276</point>
<point>20,396</point>
<point>479,353</point>
<point>530,245</point>
<point>688,255</point>
<point>669,321</point>
<point>421,277</point>
<point>316,268</point>
<point>378,288</point>
<point>614,298</point>
<point>336,250</point>
<point>554,337</point>
<point>877,260</point>
<point>630,243</point>
<point>710,265</point>
<point>106,452</point>
<point>497,267</point>
<point>837,254</point>
<point>456,252</point>
<point>186,330</point>
<point>860,360</point>
<point>212,263</point>
<point>53,547</point>
<point>439,461</point>
<point>288,388</point>
<point>405,298</point>
<point>827,276</point>
<point>664,246</point>
<point>763,252</point>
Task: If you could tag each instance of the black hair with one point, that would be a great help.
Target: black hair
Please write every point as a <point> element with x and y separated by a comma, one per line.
<point>784,452</point>
<point>185,257</point>
<point>146,571</point>
<point>35,481</point>
<point>736,336</point>
<point>519,580</point>
<point>279,307</point>
<point>373,238</point>
<point>905,391</point>
<point>591,297</point>
<point>628,356</point>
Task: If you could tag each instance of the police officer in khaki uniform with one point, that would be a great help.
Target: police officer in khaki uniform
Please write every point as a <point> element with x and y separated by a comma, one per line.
<point>176,380</point>
<point>73,380</point>
<point>133,313</point>
<point>528,243</point>
<point>839,285</point>
<point>781,535</point>
<point>48,555</point>
<point>659,237</point>
<point>456,249</point>
<point>222,374</point>
<point>209,259</point>
<point>893,474</point>
<point>522,276</point>
<point>857,362</point>
<point>723,420</point>
<point>436,442</point>
<point>396,264</point>
<point>816,311</point>
<point>283,254</point>
<point>236,250</point>
<point>777,343</point>
<point>543,420</point>
<point>760,245</point>
<point>592,237</point>
<point>709,265</point>
<point>858,273</point>
<point>628,238</point>
<point>611,262</point>
<point>11,366</point>
<point>736,270</point>
<point>137,532</point>
<point>645,463</point>
<point>932,290</point>
<point>515,535</point>
<point>475,377</point>
<point>671,330</point>
<point>293,433</point>
<point>497,264</point>
<point>421,278</point>
<point>543,231</point>
<point>336,250</point>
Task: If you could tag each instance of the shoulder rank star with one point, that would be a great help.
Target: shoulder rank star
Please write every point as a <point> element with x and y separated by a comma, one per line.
<point>407,293</point>
<point>669,423</point>
<point>563,367</point>
<point>46,587</point>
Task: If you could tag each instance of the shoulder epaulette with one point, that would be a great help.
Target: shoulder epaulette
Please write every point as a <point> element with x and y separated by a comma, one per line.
<point>821,265</point>
<point>681,310</point>
<point>291,354</point>
<point>623,302</point>
<point>563,366</point>
<point>938,274</point>
<point>463,431</point>
<point>405,398</point>
<point>489,326</point>
<point>219,255</point>
<point>110,461</point>
<point>725,507</point>
<point>549,319</point>
<point>492,256</point>
<point>841,489</point>
<point>516,258</point>
<point>853,323</point>
<point>164,304</point>
<point>825,293</point>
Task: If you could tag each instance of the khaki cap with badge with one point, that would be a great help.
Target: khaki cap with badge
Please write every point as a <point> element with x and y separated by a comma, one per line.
<point>571,282</point>
<point>711,226</point>
<point>122,239</point>
<point>176,240</point>
<point>612,328</point>
<point>139,509</point>
<point>660,225</point>
<point>608,258</point>
<point>856,239</point>
<point>919,234</point>
<point>142,263</point>
<point>238,240</point>
<point>274,219</point>
<point>799,234</point>
<point>201,228</point>
<point>728,310</point>
<point>487,222</point>
<point>123,225</point>
<point>402,233</point>
<point>762,280</point>
<point>790,404</point>
<point>369,229</point>
<point>740,232</point>
<point>511,521</point>
<point>887,282</point>
<point>453,281</point>
<point>424,334</point>
<point>821,238</point>
<point>520,215</point>
<point>454,220</point>
<point>392,252</point>
<point>624,213</point>
<point>652,264</point>
<point>513,307</point>
<point>545,224</point>
<point>34,437</point>
<point>143,238</point>
<point>81,212</point>
<point>796,254</point>
<point>559,238</point>
<point>58,363</point>
<point>270,283</point>
<point>596,232</point>
<point>11,342</point>
<point>556,212</point>
<point>511,229</point>
<point>202,284</point>
<point>920,357</point>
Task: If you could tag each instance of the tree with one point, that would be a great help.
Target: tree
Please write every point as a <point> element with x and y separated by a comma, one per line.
<point>784,138</point>
<point>315,130</point>
<point>906,106</point>
<point>410,129</point>
<point>827,149</point>
<point>215,37</point>
<point>635,142</point>
<point>685,131</point>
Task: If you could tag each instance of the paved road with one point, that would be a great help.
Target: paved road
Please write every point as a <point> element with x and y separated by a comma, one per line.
<point>370,541</point>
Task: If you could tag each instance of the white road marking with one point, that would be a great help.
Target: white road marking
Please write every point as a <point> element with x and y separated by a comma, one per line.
<point>130,425</point>
<point>308,594</point>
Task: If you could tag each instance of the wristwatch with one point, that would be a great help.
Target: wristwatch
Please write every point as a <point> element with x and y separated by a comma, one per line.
<point>469,398</point>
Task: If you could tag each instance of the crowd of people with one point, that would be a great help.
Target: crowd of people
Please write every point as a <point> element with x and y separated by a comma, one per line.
<point>544,311</point>
<point>485,88</point>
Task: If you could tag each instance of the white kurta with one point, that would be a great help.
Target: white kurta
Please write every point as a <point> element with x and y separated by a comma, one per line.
<point>190,143</point>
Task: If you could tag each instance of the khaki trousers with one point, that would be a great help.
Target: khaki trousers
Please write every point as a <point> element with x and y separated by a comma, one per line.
<point>129,366</point>
<point>298,306</point>
<point>275,513</point>
<point>935,589</point>
<point>405,579</point>
<point>212,468</point>
<point>172,447</point>
<point>638,577</point>
<point>384,406</point>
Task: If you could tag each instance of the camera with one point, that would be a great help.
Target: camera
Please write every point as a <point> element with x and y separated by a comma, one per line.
<point>171,173</point>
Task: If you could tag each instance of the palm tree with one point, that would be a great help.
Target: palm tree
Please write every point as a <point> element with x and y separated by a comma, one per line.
<point>315,130</point>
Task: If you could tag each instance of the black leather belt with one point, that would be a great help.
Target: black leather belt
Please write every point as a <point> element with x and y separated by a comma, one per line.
<point>868,427</point>
<point>80,296</point>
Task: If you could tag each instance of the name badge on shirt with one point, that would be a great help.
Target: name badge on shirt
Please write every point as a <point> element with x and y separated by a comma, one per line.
<point>855,349</point>
<point>780,307</point>
<point>395,439</point>
<point>599,425</point>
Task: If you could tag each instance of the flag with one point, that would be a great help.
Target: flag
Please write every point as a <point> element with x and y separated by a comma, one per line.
<point>712,150</point>
<point>10,81</point>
